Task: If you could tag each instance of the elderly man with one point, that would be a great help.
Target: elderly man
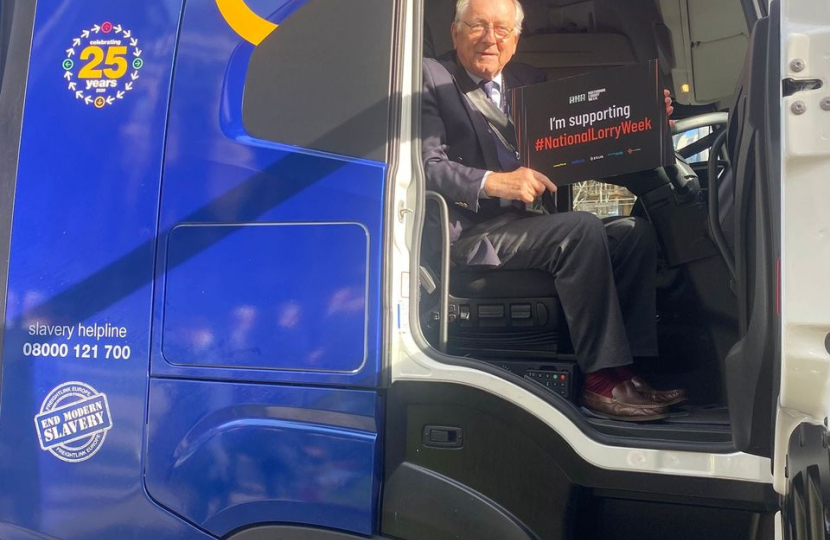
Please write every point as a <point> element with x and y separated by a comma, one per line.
<point>604,273</point>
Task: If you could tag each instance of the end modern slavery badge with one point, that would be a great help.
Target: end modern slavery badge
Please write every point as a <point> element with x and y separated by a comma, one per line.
<point>73,422</point>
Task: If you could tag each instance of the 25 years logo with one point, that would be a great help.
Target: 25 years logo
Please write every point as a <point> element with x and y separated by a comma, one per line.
<point>103,64</point>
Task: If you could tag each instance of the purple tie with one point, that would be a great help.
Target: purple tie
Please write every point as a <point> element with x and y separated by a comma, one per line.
<point>488,87</point>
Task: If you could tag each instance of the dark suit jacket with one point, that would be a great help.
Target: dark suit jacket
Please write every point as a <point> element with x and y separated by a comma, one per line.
<point>458,149</point>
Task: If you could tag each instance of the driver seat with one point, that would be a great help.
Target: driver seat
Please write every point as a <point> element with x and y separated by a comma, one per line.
<point>496,314</point>
<point>506,314</point>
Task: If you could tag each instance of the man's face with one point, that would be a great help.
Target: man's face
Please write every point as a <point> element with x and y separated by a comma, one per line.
<point>485,55</point>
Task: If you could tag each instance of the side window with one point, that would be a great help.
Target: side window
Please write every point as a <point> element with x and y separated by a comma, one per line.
<point>682,140</point>
<point>603,200</point>
<point>607,200</point>
<point>321,80</point>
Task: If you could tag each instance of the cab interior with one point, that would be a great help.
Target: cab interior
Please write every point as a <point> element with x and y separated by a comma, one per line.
<point>711,275</point>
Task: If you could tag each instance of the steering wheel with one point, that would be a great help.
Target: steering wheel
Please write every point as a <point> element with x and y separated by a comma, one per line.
<point>716,120</point>
<point>718,163</point>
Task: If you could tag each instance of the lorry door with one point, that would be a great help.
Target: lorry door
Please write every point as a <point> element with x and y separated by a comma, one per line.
<point>751,367</point>
<point>266,352</point>
<point>192,341</point>
<point>802,462</point>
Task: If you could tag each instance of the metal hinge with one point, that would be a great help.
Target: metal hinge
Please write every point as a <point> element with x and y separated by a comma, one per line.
<point>806,96</point>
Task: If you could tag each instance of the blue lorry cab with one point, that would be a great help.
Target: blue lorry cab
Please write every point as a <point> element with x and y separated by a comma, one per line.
<point>218,324</point>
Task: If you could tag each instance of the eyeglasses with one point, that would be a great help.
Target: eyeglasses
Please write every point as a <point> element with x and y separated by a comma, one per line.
<point>478,30</point>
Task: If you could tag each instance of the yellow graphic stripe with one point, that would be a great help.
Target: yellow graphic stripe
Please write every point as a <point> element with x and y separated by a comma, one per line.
<point>244,21</point>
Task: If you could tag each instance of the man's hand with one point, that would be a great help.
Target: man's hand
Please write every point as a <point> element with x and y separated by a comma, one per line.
<point>523,184</point>
<point>669,108</point>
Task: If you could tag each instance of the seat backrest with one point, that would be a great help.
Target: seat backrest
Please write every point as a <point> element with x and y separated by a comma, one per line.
<point>438,16</point>
<point>751,124</point>
<point>549,42</point>
<point>735,138</point>
<point>568,54</point>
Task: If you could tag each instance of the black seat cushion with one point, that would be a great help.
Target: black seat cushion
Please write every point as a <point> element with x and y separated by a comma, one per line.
<point>502,284</point>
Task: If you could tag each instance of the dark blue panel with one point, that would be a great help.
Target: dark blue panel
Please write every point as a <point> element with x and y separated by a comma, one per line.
<point>89,267</point>
<point>215,173</point>
<point>269,270</point>
<point>82,260</point>
<point>252,299</point>
<point>225,455</point>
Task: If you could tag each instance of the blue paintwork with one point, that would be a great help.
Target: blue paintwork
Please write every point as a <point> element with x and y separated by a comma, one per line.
<point>215,173</point>
<point>287,317</point>
<point>230,454</point>
<point>243,302</point>
<point>98,194</point>
<point>83,242</point>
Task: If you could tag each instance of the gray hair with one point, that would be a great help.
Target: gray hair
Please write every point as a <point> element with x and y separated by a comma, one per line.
<point>462,5</point>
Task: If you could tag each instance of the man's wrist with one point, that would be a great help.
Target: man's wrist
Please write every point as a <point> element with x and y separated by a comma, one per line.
<point>481,193</point>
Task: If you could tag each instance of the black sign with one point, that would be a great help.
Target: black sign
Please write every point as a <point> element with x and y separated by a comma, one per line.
<point>593,126</point>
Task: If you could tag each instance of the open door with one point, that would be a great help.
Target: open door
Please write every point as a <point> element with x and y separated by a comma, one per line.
<point>802,464</point>
<point>751,367</point>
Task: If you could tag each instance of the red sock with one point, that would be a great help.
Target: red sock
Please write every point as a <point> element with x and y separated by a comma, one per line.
<point>602,382</point>
<point>625,372</point>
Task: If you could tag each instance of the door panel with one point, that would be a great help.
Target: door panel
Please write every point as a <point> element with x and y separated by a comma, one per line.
<point>80,269</point>
<point>181,292</point>
<point>752,364</point>
<point>266,355</point>
<point>227,455</point>
<point>275,308</point>
<point>801,466</point>
<point>271,258</point>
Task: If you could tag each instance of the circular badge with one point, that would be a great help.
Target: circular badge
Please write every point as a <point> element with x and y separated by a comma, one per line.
<point>73,422</point>
<point>102,65</point>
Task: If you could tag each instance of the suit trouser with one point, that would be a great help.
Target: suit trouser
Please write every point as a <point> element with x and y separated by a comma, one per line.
<point>605,276</point>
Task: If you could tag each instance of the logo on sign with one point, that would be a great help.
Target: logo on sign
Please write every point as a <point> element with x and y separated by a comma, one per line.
<point>594,95</point>
<point>102,64</point>
<point>579,98</point>
<point>73,422</point>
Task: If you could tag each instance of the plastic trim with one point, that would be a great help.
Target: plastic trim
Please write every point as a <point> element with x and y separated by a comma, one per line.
<point>12,100</point>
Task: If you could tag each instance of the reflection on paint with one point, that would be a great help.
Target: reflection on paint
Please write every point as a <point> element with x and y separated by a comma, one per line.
<point>346,300</point>
<point>289,315</point>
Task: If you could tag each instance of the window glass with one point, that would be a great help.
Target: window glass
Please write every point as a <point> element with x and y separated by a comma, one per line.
<point>682,140</point>
<point>321,80</point>
<point>607,200</point>
<point>604,200</point>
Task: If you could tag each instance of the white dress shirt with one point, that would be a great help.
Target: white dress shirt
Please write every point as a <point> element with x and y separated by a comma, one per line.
<point>495,97</point>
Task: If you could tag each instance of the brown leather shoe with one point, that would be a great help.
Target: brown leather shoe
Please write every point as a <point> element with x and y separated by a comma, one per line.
<point>625,403</point>
<point>661,397</point>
